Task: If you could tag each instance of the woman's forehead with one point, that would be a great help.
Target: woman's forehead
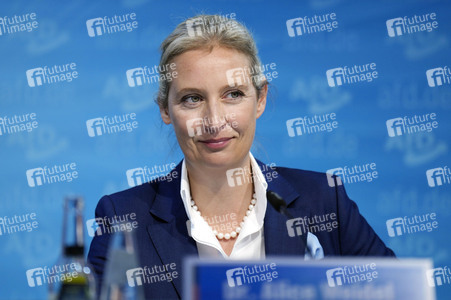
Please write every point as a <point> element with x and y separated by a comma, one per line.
<point>207,69</point>
<point>218,58</point>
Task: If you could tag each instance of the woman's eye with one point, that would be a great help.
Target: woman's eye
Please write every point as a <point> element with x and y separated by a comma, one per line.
<point>191,99</point>
<point>235,94</point>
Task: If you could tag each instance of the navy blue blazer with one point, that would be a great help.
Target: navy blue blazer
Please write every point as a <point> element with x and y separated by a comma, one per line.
<point>162,234</point>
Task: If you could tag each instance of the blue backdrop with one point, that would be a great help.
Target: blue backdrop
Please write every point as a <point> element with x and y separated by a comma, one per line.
<point>44,123</point>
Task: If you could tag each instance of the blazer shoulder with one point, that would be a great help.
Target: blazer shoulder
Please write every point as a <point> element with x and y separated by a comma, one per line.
<point>312,187</point>
<point>136,191</point>
<point>131,198</point>
<point>298,177</point>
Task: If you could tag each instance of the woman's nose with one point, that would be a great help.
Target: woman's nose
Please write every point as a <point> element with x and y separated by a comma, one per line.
<point>215,118</point>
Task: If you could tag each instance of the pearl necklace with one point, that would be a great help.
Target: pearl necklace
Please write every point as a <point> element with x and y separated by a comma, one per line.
<point>237,230</point>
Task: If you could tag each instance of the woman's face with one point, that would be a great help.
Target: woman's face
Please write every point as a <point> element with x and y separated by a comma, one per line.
<point>214,122</point>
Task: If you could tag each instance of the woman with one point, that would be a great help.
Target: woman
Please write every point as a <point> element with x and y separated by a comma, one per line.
<point>218,206</point>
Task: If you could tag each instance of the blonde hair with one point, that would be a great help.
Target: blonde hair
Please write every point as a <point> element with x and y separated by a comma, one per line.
<point>225,33</point>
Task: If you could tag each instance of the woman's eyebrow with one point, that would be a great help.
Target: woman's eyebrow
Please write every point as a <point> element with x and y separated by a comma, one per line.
<point>197,90</point>
<point>240,86</point>
<point>188,90</point>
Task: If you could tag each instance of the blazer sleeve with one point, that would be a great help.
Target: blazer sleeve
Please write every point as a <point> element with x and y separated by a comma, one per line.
<point>97,255</point>
<point>356,237</point>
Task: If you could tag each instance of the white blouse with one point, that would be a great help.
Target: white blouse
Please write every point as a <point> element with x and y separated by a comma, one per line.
<point>250,242</point>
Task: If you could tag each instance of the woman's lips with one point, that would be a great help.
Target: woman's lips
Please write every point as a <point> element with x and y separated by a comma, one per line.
<point>216,143</point>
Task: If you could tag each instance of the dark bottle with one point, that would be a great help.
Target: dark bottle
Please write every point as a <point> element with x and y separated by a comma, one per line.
<point>75,280</point>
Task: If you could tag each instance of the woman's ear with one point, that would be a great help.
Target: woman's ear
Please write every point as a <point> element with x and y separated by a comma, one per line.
<point>164,112</point>
<point>261,102</point>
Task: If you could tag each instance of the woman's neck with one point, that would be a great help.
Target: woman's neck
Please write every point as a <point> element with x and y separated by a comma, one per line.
<point>213,193</point>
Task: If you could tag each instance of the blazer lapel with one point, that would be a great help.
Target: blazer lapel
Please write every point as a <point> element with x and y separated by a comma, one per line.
<point>277,238</point>
<point>168,230</point>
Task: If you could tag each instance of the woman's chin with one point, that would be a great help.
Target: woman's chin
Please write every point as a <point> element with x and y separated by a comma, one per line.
<point>220,160</point>
<point>216,161</point>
